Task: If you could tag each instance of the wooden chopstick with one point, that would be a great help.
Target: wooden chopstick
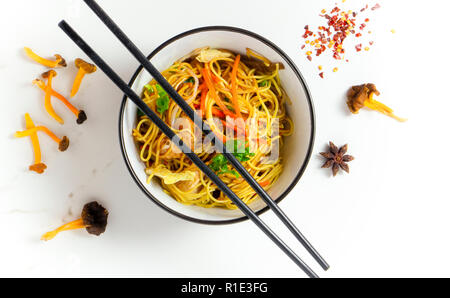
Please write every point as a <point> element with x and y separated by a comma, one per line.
<point>186,150</point>
<point>103,16</point>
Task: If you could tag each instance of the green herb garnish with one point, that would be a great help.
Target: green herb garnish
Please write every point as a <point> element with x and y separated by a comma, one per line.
<point>219,164</point>
<point>162,103</point>
<point>263,83</point>
<point>190,80</point>
<point>239,150</point>
<point>140,113</point>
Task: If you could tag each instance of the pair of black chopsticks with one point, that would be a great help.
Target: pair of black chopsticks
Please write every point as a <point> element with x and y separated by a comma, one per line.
<point>206,130</point>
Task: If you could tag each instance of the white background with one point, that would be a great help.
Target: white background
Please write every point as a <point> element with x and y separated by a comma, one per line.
<point>388,218</point>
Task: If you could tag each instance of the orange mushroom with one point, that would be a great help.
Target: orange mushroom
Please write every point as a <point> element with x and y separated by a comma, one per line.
<point>48,95</point>
<point>38,166</point>
<point>80,114</point>
<point>94,219</point>
<point>362,96</point>
<point>63,143</point>
<point>59,62</point>
<point>83,69</point>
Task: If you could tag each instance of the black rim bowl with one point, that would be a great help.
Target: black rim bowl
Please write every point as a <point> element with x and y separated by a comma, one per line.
<point>311,110</point>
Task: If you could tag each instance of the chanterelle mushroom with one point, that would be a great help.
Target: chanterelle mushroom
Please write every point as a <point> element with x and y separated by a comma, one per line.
<point>83,69</point>
<point>59,62</point>
<point>31,131</point>
<point>362,96</point>
<point>49,75</point>
<point>94,219</point>
<point>80,114</point>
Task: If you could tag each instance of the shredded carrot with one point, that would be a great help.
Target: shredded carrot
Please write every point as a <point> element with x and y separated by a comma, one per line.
<point>234,86</point>
<point>217,113</point>
<point>209,83</point>
<point>203,102</point>
<point>264,183</point>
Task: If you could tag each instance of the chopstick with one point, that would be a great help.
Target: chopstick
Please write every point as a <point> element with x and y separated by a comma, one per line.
<point>185,149</point>
<point>103,16</point>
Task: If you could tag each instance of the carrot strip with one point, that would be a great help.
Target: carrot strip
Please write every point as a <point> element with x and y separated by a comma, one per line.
<point>264,183</point>
<point>234,98</point>
<point>207,75</point>
<point>203,102</point>
<point>217,113</point>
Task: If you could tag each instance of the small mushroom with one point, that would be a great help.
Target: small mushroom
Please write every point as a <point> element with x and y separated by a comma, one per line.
<point>63,143</point>
<point>38,168</point>
<point>80,114</point>
<point>83,69</point>
<point>362,96</point>
<point>59,62</point>
<point>49,75</point>
<point>94,219</point>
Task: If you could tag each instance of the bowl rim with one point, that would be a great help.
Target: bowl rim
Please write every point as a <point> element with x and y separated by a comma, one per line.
<point>308,97</point>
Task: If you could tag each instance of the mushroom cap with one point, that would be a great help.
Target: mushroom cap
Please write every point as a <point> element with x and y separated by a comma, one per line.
<point>81,117</point>
<point>64,144</point>
<point>47,74</point>
<point>38,168</point>
<point>61,61</point>
<point>357,96</point>
<point>95,218</point>
<point>87,67</point>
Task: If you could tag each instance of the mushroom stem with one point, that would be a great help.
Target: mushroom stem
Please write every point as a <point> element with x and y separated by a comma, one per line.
<point>74,225</point>
<point>38,166</point>
<point>48,96</point>
<point>29,132</point>
<point>64,100</point>
<point>77,83</point>
<point>63,143</point>
<point>59,62</point>
<point>382,108</point>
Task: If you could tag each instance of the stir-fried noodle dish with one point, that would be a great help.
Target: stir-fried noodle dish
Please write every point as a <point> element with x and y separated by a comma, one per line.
<point>242,100</point>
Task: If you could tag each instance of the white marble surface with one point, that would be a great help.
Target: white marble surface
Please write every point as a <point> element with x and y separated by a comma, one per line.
<point>389,217</point>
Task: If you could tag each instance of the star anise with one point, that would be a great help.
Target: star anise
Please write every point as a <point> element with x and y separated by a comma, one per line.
<point>337,158</point>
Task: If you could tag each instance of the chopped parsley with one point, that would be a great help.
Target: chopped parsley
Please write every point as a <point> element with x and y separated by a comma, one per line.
<point>263,83</point>
<point>162,103</point>
<point>190,80</point>
<point>219,163</point>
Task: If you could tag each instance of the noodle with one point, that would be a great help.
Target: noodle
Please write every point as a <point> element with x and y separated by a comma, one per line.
<point>255,91</point>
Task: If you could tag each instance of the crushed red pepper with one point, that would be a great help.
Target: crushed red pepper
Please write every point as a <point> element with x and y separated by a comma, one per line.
<point>340,24</point>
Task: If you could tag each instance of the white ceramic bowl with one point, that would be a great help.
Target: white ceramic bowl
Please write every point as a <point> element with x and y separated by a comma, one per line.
<point>297,149</point>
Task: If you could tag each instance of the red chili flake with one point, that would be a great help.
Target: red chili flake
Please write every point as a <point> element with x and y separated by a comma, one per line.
<point>376,6</point>
<point>371,43</point>
<point>331,36</point>
<point>321,75</point>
